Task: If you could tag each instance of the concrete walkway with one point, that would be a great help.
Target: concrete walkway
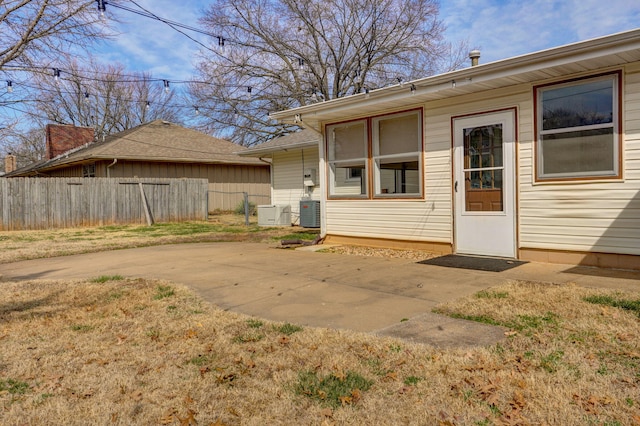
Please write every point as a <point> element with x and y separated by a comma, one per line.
<point>319,289</point>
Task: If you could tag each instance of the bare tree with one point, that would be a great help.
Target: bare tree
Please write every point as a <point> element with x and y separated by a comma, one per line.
<point>276,54</point>
<point>33,29</point>
<point>110,100</point>
<point>34,33</point>
<point>27,146</point>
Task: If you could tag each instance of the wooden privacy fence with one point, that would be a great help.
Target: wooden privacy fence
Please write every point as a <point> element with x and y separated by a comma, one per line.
<point>42,203</point>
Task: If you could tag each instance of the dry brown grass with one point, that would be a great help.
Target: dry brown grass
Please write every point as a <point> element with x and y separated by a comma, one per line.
<point>24,245</point>
<point>148,352</point>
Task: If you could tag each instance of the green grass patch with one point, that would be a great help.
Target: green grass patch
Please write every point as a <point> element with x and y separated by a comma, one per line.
<point>616,302</point>
<point>14,387</point>
<point>82,328</point>
<point>551,362</point>
<point>412,380</point>
<point>163,291</point>
<point>254,323</point>
<point>484,319</point>
<point>115,295</point>
<point>251,207</point>
<point>332,390</point>
<point>534,322</point>
<point>287,328</point>
<point>486,294</point>
<point>301,235</point>
<point>104,278</point>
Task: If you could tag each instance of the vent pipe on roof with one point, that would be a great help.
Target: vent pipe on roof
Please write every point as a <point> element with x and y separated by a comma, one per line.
<point>474,55</point>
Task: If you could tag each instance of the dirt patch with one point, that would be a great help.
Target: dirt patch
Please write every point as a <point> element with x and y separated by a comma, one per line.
<point>380,252</point>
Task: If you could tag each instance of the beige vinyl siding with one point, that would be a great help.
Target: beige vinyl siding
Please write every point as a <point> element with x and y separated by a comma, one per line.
<point>589,216</point>
<point>390,219</point>
<point>426,219</point>
<point>288,173</point>
<point>597,216</point>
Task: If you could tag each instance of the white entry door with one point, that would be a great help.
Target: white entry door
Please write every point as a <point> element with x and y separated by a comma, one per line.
<point>484,184</point>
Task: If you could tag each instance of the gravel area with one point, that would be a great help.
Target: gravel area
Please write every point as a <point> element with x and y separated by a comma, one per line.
<point>380,252</point>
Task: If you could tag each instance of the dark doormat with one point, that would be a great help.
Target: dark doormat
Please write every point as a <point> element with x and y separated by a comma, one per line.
<point>492,264</point>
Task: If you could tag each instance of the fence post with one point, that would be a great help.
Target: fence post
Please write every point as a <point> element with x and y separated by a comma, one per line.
<point>246,208</point>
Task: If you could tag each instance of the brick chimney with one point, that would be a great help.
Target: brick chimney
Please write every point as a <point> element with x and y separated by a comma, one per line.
<point>63,137</point>
<point>10,163</point>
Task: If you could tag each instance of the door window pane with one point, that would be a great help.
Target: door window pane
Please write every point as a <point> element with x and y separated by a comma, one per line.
<point>484,191</point>
<point>484,167</point>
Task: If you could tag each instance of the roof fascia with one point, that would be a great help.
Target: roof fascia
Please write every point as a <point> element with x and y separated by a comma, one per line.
<point>580,51</point>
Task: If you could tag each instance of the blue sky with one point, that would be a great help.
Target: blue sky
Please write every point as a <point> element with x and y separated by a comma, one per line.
<point>499,28</point>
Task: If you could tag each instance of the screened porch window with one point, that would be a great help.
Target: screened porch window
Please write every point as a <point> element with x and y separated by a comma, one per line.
<point>578,129</point>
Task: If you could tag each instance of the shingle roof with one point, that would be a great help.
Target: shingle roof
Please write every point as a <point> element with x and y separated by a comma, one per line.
<point>154,141</point>
<point>304,138</point>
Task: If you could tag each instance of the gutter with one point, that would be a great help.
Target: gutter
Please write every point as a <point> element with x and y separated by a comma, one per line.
<point>612,44</point>
<point>115,160</point>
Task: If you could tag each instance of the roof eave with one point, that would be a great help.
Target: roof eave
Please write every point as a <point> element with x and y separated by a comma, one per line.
<point>584,50</point>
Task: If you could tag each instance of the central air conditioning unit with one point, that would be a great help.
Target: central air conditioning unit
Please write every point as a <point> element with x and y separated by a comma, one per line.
<point>274,215</point>
<point>310,213</point>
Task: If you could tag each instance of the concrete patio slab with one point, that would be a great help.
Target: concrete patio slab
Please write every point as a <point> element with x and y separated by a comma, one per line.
<point>319,289</point>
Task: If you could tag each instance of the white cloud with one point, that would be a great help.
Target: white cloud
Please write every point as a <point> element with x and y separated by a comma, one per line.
<point>148,45</point>
<point>500,28</point>
<point>506,28</point>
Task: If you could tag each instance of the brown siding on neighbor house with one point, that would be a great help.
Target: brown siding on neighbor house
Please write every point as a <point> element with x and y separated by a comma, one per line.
<point>226,182</point>
<point>73,171</point>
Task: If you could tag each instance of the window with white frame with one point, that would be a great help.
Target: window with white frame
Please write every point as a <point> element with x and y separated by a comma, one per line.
<point>376,157</point>
<point>347,159</point>
<point>397,147</point>
<point>578,129</point>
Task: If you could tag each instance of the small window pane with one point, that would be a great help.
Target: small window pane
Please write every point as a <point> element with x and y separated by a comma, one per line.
<point>399,177</point>
<point>578,105</point>
<point>347,142</point>
<point>349,179</point>
<point>579,152</point>
<point>399,135</point>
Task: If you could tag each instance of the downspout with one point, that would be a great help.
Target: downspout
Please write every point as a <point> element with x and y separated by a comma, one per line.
<point>321,177</point>
<point>270,163</point>
<point>115,160</point>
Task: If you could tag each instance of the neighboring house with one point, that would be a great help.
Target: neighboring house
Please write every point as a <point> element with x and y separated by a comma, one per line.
<point>535,157</point>
<point>292,157</point>
<point>157,149</point>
